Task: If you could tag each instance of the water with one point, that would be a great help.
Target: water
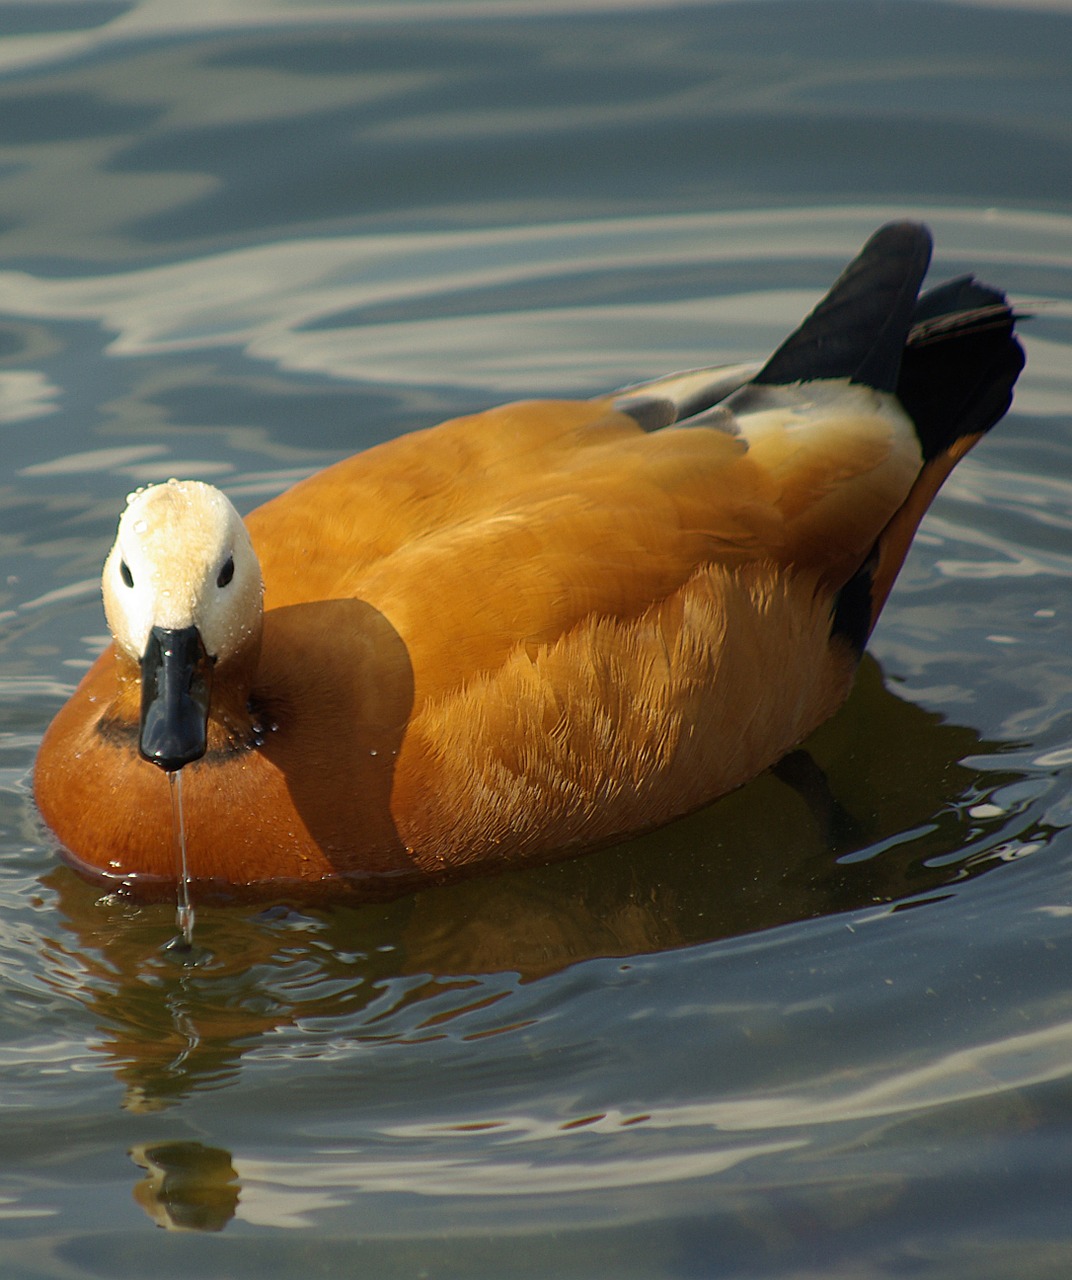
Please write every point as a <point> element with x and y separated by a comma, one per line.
<point>184,908</point>
<point>240,240</point>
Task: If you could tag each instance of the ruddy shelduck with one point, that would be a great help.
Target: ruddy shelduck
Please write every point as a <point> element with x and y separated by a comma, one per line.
<point>528,632</point>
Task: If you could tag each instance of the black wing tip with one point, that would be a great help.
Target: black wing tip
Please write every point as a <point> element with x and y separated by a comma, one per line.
<point>858,331</point>
<point>852,616</point>
<point>913,242</point>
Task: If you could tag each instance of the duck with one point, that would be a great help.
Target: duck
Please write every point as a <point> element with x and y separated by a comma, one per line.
<point>528,632</point>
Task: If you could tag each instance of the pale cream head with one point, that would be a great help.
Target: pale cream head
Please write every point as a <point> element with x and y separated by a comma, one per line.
<point>182,557</point>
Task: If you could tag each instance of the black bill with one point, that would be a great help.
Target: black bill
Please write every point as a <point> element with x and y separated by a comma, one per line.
<point>176,678</point>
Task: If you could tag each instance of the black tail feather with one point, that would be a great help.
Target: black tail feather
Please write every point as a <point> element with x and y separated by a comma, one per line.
<point>859,329</point>
<point>960,363</point>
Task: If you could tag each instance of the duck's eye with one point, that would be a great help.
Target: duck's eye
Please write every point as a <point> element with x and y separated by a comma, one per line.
<point>226,573</point>
<point>125,574</point>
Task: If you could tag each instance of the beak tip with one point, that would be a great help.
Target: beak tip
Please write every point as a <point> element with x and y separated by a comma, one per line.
<point>171,751</point>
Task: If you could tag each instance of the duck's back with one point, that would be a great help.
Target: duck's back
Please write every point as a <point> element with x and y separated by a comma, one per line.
<point>508,529</point>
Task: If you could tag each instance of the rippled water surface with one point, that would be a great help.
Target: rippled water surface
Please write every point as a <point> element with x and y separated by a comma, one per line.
<point>239,240</point>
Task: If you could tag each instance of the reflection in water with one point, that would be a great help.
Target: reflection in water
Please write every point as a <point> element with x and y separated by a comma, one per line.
<point>881,811</point>
<point>187,1186</point>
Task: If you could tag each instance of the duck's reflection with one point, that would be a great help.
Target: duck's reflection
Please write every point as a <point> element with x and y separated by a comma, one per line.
<point>877,812</point>
<point>187,1186</point>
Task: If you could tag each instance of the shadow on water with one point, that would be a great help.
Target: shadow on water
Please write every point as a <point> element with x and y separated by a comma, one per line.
<point>879,811</point>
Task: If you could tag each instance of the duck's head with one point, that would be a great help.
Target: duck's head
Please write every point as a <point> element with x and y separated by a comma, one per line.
<point>182,594</point>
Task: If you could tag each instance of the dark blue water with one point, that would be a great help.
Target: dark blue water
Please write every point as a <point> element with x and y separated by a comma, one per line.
<point>240,240</point>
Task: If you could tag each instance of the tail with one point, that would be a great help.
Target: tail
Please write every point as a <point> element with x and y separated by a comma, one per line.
<point>958,370</point>
<point>950,356</point>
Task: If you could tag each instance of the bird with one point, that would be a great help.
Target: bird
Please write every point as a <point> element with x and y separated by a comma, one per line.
<point>528,632</point>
